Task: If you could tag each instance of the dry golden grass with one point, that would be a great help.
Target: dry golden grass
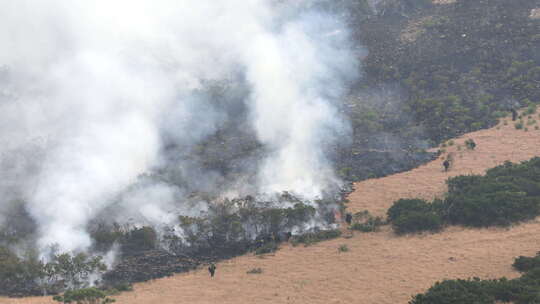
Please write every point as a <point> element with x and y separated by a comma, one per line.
<point>379,267</point>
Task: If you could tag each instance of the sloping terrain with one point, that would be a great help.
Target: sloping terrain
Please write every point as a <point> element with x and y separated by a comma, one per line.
<point>379,267</point>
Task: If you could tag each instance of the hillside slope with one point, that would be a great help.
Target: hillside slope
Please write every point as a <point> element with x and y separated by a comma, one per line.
<point>379,267</point>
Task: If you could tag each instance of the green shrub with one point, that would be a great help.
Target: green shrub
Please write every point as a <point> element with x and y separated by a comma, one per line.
<point>365,222</point>
<point>255,271</point>
<point>519,125</point>
<point>531,109</point>
<point>470,144</point>
<point>523,263</point>
<point>84,296</point>
<point>456,292</point>
<point>499,114</point>
<point>315,237</point>
<point>268,247</point>
<point>507,194</point>
<point>522,290</point>
<point>417,221</point>
<point>343,248</point>
<point>371,225</point>
<point>403,206</point>
<point>498,208</point>
<point>119,287</point>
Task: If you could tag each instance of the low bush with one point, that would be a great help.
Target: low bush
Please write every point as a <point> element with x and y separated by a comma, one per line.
<point>315,237</point>
<point>343,248</point>
<point>522,290</point>
<point>268,247</point>
<point>84,296</point>
<point>455,292</point>
<point>404,206</point>
<point>507,194</point>
<point>523,263</point>
<point>365,222</point>
<point>31,276</point>
<point>470,144</point>
<point>255,271</point>
<point>417,221</point>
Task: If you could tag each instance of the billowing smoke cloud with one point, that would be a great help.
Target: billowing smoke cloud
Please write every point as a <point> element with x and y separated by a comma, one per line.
<point>94,87</point>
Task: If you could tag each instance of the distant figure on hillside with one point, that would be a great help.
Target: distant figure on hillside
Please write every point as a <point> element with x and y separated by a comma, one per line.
<point>348,218</point>
<point>446,165</point>
<point>514,114</point>
<point>212,269</point>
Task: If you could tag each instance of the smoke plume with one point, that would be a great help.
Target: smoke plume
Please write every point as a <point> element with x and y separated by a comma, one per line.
<point>93,94</point>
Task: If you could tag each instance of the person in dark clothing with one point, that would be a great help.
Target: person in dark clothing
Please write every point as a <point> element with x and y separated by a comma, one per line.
<point>514,114</point>
<point>348,218</point>
<point>212,269</point>
<point>446,165</point>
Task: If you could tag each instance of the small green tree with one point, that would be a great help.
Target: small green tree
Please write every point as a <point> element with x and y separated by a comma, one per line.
<point>84,296</point>
<point>74,269</point>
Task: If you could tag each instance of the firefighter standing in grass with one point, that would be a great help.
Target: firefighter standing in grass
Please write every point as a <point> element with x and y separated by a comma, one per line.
<point>212,269</point>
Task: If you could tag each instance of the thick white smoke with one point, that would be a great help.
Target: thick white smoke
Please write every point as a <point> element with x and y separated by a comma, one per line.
<point>93,80</point>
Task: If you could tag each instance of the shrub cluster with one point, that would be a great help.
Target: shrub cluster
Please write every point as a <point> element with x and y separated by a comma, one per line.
<point>414,215</point>
<point>522,290</point>
<point>507,194</point>
<point>255,271</point>
<point>524,264</point>
<point>31,276</point>
<point>365,222</point>
<point>229,231</point>
<point>84,296</point>
<point>315,237</point>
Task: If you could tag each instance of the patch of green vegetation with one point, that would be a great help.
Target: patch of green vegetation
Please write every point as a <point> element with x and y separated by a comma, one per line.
<point>507,194</point>
<point>531,109</point>
<point>413,215</point>
<point>365,222</point>
<point>470,144</point>
<point>255,271</point>
<point>315,237</point>
<point>524,264</point>
<point>343,248</point>
<point>31,276</point>
<point>268,247</point>
<point>522,290</point>
<point>84,296</point>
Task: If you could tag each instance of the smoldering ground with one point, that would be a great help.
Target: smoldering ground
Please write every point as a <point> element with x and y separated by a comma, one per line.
<point>228,98</point>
